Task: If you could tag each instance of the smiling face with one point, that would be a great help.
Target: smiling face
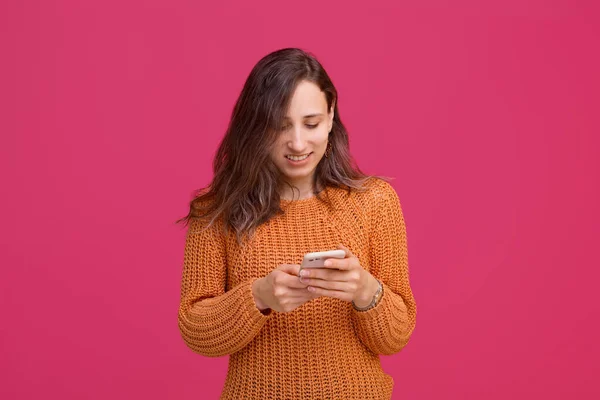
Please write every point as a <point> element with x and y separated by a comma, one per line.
<point>302,140</point>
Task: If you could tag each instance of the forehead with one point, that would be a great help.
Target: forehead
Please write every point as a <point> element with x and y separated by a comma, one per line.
<point>307,100</point>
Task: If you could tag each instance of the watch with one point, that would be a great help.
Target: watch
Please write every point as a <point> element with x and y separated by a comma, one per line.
<point>376,297</point>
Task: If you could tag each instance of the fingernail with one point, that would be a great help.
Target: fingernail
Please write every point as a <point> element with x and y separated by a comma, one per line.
<point>304,273</point>
<point>327,263</point>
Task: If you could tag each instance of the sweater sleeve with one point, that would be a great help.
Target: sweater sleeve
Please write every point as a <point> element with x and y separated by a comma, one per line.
<point>387,328</point>
<point>214,322</point>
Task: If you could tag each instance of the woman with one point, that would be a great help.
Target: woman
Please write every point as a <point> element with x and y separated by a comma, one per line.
<point>284,185</point>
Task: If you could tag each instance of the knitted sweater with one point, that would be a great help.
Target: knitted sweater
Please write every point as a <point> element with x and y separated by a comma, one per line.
<point>324,349</point>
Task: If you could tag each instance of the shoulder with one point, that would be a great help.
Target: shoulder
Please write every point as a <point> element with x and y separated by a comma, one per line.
<point>375,202</point>
<point>376,192</point>
<point>203,218</point>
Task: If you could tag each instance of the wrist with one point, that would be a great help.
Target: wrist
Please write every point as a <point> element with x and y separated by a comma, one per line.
<point>364,298</point>
<point>256,293</point>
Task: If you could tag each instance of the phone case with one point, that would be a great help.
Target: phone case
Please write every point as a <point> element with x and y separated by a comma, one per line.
<point>316,259</point>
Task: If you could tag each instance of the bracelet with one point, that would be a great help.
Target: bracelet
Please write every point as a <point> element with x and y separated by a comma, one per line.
<point>378,295</point>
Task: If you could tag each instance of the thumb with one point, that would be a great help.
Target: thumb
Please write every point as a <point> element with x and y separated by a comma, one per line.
<point>292,269</point>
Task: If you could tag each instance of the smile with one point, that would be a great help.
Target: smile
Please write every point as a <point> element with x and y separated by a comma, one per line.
<point>297,158</point>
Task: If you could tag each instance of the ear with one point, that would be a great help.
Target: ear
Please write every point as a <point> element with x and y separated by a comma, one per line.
<point>331,114</point>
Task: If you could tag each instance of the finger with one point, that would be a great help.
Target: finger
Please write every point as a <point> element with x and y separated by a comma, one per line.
<point>294,282</point>
<point>292,269</point>
<point>300,296</point>
<point>336,294</point>
<point>347,250</point>
<point>306,295</point>
<point>290,277</point>
<point>326,274</point>
<point>329,285</point>
<point>334,263</point>
<point>299,293</point>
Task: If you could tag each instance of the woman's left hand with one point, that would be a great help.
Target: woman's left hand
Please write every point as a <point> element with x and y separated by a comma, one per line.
<point>342,279</point>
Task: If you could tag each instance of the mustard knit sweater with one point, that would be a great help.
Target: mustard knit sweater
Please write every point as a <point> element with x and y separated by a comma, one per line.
<point>323,349</point>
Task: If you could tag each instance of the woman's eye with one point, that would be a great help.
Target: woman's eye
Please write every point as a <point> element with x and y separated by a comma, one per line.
<point>286,127</point>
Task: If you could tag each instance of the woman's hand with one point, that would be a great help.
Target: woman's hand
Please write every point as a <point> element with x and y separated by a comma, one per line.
<point>342,279</point>
<point>281,290</point>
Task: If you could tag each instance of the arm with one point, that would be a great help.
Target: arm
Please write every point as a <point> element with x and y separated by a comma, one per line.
<point>213,322</point>
<point>387,328</point>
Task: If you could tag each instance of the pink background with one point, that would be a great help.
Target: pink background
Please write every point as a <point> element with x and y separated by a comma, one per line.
<point>485,112</point>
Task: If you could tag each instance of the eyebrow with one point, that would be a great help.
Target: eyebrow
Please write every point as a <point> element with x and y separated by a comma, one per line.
<point>308,116</point>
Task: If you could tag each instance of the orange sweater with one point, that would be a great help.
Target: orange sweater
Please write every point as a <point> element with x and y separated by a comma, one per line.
<point>323,349</point>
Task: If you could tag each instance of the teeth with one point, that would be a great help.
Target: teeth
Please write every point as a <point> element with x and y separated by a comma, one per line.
<point>297,158</point>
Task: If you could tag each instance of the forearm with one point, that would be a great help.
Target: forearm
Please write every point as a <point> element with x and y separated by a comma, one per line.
<point>386,328</point>
<point>221,325</point>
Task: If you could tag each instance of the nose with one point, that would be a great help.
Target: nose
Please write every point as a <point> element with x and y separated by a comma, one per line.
<point>296,142</point>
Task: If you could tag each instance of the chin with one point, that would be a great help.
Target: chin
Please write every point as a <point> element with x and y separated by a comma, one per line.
<point>296,174</point>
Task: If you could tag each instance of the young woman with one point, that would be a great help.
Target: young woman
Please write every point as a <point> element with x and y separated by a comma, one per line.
<point>285,185</point>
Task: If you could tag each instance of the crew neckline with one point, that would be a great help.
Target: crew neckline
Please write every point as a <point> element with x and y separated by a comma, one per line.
<point>303,201</point>
<point>296,201</point>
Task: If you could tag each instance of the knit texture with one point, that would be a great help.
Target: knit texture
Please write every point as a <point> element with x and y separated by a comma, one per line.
<point>324,349</point>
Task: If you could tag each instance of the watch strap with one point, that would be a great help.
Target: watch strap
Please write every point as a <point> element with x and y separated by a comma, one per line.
<point>376,297</point>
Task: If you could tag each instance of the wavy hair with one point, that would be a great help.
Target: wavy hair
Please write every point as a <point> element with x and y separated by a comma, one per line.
<point>244,192</point>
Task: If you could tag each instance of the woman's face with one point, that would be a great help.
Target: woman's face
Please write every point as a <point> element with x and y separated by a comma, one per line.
<point>302,140</point>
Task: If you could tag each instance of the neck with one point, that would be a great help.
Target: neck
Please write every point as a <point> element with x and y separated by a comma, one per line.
<point>305,187</point>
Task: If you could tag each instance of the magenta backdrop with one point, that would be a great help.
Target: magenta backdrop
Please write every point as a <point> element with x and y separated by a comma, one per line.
<point>485,112</point>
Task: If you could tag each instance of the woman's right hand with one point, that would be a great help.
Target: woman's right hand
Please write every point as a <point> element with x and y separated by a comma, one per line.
<point>281,290</point>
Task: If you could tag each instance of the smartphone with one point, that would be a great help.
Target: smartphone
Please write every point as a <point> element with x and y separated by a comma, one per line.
<point>316,259</point>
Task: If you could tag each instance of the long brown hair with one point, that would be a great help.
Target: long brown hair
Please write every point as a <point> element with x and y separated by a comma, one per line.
<point>245,188</point>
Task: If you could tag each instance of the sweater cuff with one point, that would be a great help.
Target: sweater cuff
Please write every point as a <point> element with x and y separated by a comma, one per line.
<point>384,329</point>
<point>390,305</point>
<point>224,324</point>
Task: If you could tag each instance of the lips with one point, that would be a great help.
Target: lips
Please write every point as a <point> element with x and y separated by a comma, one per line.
<point>301,157</point>
<point>298,161</point>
